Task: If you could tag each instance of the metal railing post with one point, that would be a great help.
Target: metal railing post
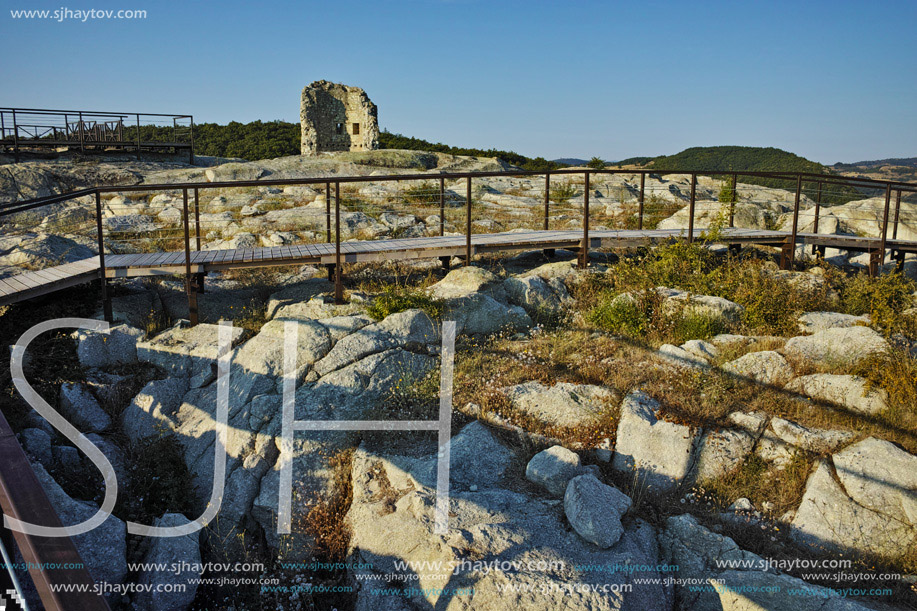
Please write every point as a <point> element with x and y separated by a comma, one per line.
<point>642,201</point>
<point>584,255</point>
<point>189,281</point>
<point>547,200</point>
<point>197,219</point>
<point>82,132</point>
<point>191,153</point>
<point>733,200</point>
<point>468,222</point>
<point>338,271</point>
<point>882,243</point>
<point>442,206</point>
<point>103,277</point>
<point>15,138</point>
<point>328,212</point>
<point>691,203</point>
<point>138,137</point>
<point>789,254</point>
<point>817,207</point>
<point>897,213</point>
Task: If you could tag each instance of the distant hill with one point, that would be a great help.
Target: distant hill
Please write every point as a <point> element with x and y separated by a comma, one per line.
<point>570,161</point>
<point>749,159</point>
<point>907,162</point>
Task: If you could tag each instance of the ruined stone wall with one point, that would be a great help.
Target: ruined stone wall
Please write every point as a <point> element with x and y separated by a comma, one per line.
<point>337,118</point>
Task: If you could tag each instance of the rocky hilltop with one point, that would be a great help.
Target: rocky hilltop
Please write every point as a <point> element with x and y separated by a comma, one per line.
<point>666,430</point>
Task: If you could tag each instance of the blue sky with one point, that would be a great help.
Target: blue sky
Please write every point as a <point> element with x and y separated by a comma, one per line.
<point>832,81</point>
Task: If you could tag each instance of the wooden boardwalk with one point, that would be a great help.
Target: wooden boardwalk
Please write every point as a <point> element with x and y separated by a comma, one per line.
<point>36,283</point>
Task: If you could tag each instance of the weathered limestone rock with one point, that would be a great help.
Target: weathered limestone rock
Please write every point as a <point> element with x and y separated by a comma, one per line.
<point>301,292</point>
<point>701,304</point>
<point>409,329</point>
<point>104,548</point>
<point>829,519</point>
<point>466,280</point>
<point>183,350</point>
<point>337,117</point>
<point>701,349</point>
<point>563,405</point>
<point>812,322</point>
<point>264,353</point>
<point>37,443</point>
<point>679,357</point>
<point>851,392</point>
<point>658,454</point>
<point>481,314</point>
<point>535,295</point>
<point>879,475</point>
<point>115,456</point>
<point>554,468</point>
<point>845,346</point>
<point>766,367</point>
<point>391,518</point>
<point>81,408</point>
<point>117,347</point>
<point>152,411</point>
<point>810,439</point>
<point>722,451</point>
<point>183,552</point>
<point>701,555</point>
<point>595,509</point>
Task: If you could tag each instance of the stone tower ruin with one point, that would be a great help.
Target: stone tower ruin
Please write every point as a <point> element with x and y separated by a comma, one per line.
<point>337,118</point>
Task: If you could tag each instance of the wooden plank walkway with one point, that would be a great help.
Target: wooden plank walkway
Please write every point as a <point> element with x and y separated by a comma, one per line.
<point>35,283</point>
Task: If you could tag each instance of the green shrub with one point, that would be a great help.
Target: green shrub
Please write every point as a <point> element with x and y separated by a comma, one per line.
<point>396,299</point>
<point>621,315</point>
<point>696,325</point>
<point>562,191</point>
<point>883,298</point>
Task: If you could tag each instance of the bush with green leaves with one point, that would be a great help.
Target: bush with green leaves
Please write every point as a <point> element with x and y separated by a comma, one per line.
<point>396,299</point>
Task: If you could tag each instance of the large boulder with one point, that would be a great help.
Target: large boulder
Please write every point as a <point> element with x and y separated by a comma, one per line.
<point>811,439</point>
<point>812,322</point>
<point>563,405</point>
<point>264,353</point>
<point>537,296</point>
<point>594,510</point>
<point>152,411</point>
<point>721,451</point>
<point>851,392</point>
<point>481,314</point>
<point>104,548</point>
<point>82,409</point>
<point>765,367</point>
<point>881,476</point>
<point>410,329</point>
<point>117,347</point>
<point>837,347</point>
<point>739,580</point>
<point>466,280</point>
<point>828,519</point>
<point>504,550</point>
<point>658,454</point>
<point>552,469</point>
<point>185,351</point>
<point>184,554</point>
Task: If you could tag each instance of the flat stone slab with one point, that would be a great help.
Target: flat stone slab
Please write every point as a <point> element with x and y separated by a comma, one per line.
<point>563,405</point>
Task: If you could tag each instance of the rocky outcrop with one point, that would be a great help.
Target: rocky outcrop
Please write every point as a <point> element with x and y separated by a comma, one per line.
<point>862,499</point>
<point>498,539</point>
<point>837,347</point>
<point>184,554</point>
<point>766,367</point>
<point>563,405</point>
<point>657,454</point>
<point>847,391</point>
<point>594,510</point>
<point>552,469</point>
